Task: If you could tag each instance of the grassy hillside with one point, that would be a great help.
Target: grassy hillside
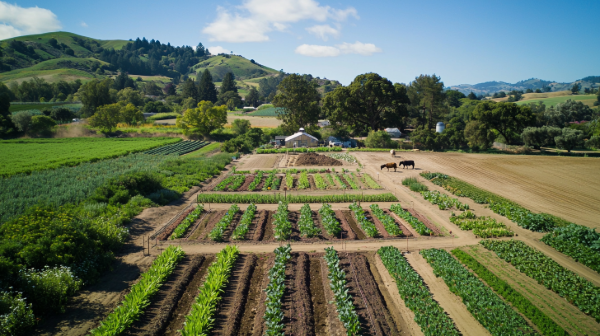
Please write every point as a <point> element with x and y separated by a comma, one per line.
<point>552,101</point>
<point>65,68</point>
<point>241,67</point>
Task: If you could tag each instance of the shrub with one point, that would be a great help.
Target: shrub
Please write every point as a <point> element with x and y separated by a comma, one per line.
<point>16,316</point>
<point>380,139</point>
<point>50,288</point>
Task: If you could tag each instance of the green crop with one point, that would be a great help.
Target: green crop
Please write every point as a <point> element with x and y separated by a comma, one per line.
<point>362,220</point>
<point>486,306</point>
<point>342,184</point>
<point>303,181</point>
<point>179,148</point>
<point>134,303</point>
<point>200,320</point>
<point>216,234</point>
<point>306,225</point>
<point>275,289</point>
<point>331,224</point>
<point>240,231</point>
<point>388,222</point>
<point>182,228</point>
<point>443,201</point>
<point>535,264</point>
<point>343,299</point>
<point>237,182</point>
<point>269,180</point>
<point>289,179</point>
<point>413,221</point>
<point>484,227</point>
<point>368,180</point>
<point>320,182</point>
<point>579,242</point>
<point>350,180</point>
<point>223,184</point>
<point>256,181</point>
<point>330,179</point>
<point>344,156</point>
<point>274,199</point>
<point>432,318</point>
<point>282,228</point>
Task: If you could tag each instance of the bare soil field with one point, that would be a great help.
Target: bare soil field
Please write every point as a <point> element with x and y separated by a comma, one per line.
<point>266,122</point>
<point>567,187</point>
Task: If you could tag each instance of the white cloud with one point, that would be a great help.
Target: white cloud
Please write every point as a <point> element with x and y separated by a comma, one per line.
<point>365,49</point>
<point>15,20</point>
<point>83,24</point>
<point>255,18</point>
<point>322,31</point>
<point>218,50</point>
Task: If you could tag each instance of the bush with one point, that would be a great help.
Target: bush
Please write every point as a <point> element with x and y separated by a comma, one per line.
<point>380,139</point>
<point>569,139</point>
<point>540,136</point>
<point>119,190</point>
<point>49,290</point>
<point>16,316</point>
<point>162,116</point>
<point>593,142</point>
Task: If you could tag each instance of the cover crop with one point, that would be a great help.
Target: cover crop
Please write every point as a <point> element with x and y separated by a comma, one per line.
<point>217,232</point>
<point>331,224</point>
<point>388,222</point>
<point>361,218</point>
<point>485,305</point>
<point>343,300</point>
<point>182,228</point>
<point>200,320</point>
<point>306,225</point>
<point>273,315</point>
<point>428,314</point>
<point>282,228</point>
<point>240,231</point>
<point>134,303</point>
<point>577,290</point>
<point>414,222</point>
<point>179,148</point>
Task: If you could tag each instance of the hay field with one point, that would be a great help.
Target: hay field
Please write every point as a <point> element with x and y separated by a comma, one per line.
<point>552,98</point>
<point>563,186</point>
<point>263,122</point>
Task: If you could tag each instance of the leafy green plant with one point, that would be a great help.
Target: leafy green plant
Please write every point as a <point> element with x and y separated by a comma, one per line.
<point>484,227</point>
<point>369,181</point>
<point>330,179</point>
<point>223,184</point>
<point>16,316</point>
<point>579,242</point>
<point>216,234</point>
<point>443,201</point>
<point>485,305</point>
<point>330,223</point>
<point>275,289</point>
<point>192,217</point>
<point>319,182</point>
<point>274,199</point>
<point>388,222</point>
<point>282,228</point>
<point>269,180</point>
<point>343,299</point>
<point>535,264</point>
<point>303,181</point>
<point>200,320</point>
<point>242,229</point>
<point>134,303</point>
<point>289,179</point>
<point>546,325</point>
<point>432,318</point>
<point>340,182</point>
<point>256,181</point>
<point>413,221</point>
<point>414,185</point>
<point>237,182</point>
<point>361,218</point>
<point>306,225</point>
<point>351,181</point>
<point>344,156</point>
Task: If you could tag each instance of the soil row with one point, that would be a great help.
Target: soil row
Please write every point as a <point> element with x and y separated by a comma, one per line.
<point>313,187</point>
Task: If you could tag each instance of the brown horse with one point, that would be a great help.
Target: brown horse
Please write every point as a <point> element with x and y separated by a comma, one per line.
<point>389,165</point>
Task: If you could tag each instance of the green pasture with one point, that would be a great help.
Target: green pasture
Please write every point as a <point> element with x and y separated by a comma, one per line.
<point>267,112</point>
<point>586,99</point>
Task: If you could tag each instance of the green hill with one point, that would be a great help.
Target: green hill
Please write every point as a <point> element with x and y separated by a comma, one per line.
<point>53,70</point>
<point>241,67</point>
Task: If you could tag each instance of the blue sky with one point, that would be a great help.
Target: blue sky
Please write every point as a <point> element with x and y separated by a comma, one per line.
<point>464,42</point>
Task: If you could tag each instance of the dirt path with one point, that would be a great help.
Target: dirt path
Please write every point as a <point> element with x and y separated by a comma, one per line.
<point>557,308</point>
<point>452,304</point>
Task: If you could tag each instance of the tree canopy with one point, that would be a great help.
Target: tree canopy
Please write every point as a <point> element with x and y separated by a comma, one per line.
<point>206,88</point>
<point>508,119</point>
<point>203,119</point>
<point>298,101</point>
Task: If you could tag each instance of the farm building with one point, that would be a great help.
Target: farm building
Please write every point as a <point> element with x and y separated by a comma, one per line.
<point>393,132</point>
<point>323,123</point>
<point>301,139</point>
<point>280,140</point>
<point>342,142</point>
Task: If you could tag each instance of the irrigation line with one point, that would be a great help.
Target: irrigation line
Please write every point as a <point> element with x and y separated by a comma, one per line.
<point>361,293</point>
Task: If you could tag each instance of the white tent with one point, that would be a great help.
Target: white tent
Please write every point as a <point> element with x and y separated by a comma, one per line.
<point>393,132</point>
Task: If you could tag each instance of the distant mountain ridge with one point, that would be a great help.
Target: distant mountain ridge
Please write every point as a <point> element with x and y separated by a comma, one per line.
<point>532,83</point>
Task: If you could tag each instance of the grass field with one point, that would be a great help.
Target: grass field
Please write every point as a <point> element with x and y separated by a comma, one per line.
<point>27,155</point>
<point>552,101</point>
<point>51,71</point>
<point>268,112</point>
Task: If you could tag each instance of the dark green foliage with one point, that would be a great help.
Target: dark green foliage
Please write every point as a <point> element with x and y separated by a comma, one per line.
<point>6,124</point>
<point>95,94</point>
<point>299,101</point>
<point>156,106</point>
<point>546,325</point>
<point>507,119</point>
<point>270,199</point>
<point>453,97</point>
<point>569,139</point>
<point>189,90</point>
<point>120,189</point>
<point>41,125</point>
<point>579,242</point>
<point>61,114</point>
<point>123,81</point>
<point>206,88</point>
<point>380,139</point>
<point>228,84</point>
<point>252,97</point>
<point>540,136</point>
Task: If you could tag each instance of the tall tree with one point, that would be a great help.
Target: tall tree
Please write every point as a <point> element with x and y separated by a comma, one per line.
<point>228,83</point>
<point>203,119</point>
<point>454,97</point>
<point>370,102</point>
<point>106,117</point>
<point>252,97</point>
<point>299,103</point>
<point>206,89</point>
<point>123,81</point>
<point>95,94</point>
<point>508,119</point>
<point>6,124</point>
<point>426,94</point>
<point>189,90</point>
<point>472,96</point>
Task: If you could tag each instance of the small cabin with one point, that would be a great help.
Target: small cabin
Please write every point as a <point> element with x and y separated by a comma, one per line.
<point>301,139</point>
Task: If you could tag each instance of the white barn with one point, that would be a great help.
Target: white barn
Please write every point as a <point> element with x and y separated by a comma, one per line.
<point>301,139</point>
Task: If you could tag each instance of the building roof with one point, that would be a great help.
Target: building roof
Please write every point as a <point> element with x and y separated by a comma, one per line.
<point>440,123</point>
<point>299,133</point>
<point>393,130</point>
<point>280,137</point>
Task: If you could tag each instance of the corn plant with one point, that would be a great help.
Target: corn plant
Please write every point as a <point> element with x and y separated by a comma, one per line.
<point>240,231</point>
<point>484,227</point>
<point>256,181</point>
<point>303,181</point>
<point>282,228</point>
<point>486,306</point>
<point>350,180</point>
<point>269,180</point>
<point>134,303</point>
<point>330,223</point>
<point>306,225</point>
<point>362,220</point>
<point>274,199</point>
<point>413,221</point>
<point>273,314</point>
<point>388,222</point>
<point>289,179</point>
<point>535,264</point>
<point>443,201</point>
<point>320,183</point>
<point>192,217</point>
<point>200,320</point>
<point>216,234</point>
<point>339,180</point>
<point>432,318</point>
<point>343,299</point>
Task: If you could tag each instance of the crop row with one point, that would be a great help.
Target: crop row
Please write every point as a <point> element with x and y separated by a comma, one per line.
<point>577,290</point>
<point>343,299</point>
<point>179,148</point>
<point>256,181</point>
<point>414,222</point>
<point>269,181</point>
<point>275,289</point>
<point>303,181</point>
<point>486,306</point>
<point>216,234</point>
<point>414,185</point>
<point>344,156</point>
<point>282,228</point>
<point>200,320</point>
<point>541,320</point>
<point>579,242</point>
<point>331,224</point>
<point>289,180</point>
<point>351,181</point>
<point>298,150</point>
<point>484,227</point>
<point>319,182</point>
<point>182,228</point>
<point>138,298</point>
<point>432,318</point>
<point>306,225</point>
<point>443,201</point>
<point>330,179</point>
<point>388,222</point>
<point>223,184</point>
<point>337,178</point>
<point>240,231</point>
<point>368,180</point>
<point>361,218</point>
<point>274,199</point>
